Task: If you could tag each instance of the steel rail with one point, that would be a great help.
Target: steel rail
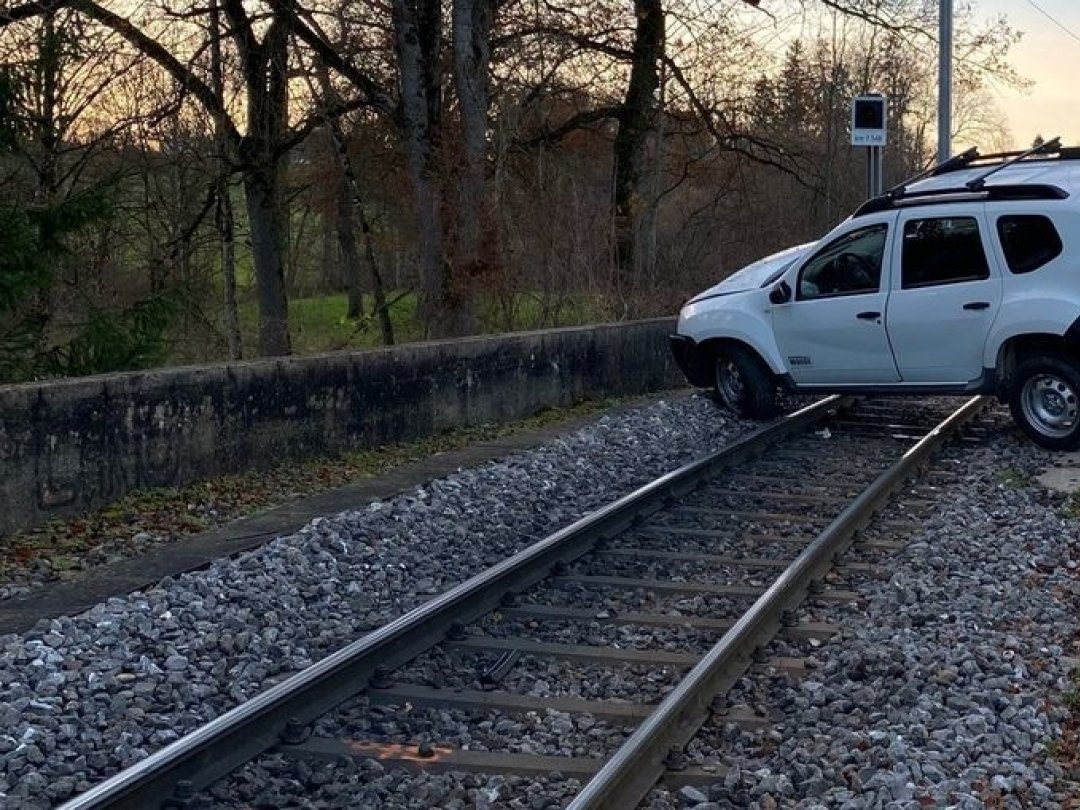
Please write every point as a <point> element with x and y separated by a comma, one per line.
<point>626,778</point>
<point>171,776</point>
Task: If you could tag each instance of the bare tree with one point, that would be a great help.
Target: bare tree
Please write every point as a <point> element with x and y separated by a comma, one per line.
<point>475,256</point>
<point>259,154</point>
<point>636,121</point>
<point>418,40</point>
<point>610,152</point>
<point>454,230</point>
<point>223,209</point>
<point>264,65</point>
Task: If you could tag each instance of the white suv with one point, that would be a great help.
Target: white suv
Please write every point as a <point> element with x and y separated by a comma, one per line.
<point>963,280</point>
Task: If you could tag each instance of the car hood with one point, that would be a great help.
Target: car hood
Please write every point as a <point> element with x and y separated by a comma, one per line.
<point>754,276</point>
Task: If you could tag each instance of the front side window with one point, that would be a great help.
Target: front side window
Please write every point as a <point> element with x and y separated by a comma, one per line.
<point>1028,241</point>
<point>943,250</point>
<point>848,265</point>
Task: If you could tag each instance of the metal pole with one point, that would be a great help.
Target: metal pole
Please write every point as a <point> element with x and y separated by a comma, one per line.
<point>870,173</point>
<point>875,171</point>
<point>945,43</point>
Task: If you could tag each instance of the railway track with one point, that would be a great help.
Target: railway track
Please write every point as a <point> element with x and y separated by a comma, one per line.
<point>637,618</point>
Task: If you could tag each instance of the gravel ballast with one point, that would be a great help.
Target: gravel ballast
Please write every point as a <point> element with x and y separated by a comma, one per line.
<point>944,689</point>
<point>83,697</point>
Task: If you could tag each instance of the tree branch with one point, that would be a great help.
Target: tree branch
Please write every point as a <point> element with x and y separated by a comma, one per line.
<point>580,40</point>
<point>376,96</point>
<point>181,73</point>
<point>753,148</point>
<point>875,19</point>
<point>28,11</point>
<point>579,121</point>
<point>318,119</point>
<point>246,43</point>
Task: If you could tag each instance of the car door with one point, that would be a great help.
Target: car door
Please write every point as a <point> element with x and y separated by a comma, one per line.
<point>832,330</point>
<point>946,293</point>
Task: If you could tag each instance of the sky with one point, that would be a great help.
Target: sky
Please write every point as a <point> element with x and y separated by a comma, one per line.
<point>1050,58</point>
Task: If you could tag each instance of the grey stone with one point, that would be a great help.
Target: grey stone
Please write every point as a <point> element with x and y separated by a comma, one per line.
<point>691,796</point>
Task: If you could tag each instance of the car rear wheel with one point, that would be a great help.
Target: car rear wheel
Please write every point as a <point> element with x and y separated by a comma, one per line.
<point>1045,401</point>
<point>743,383</point>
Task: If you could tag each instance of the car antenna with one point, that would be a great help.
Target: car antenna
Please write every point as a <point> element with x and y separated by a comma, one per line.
<point>977,183</point>
<point>955,162</point>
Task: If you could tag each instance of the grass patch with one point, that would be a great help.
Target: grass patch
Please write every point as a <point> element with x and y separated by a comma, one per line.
<point>1054,748</point>
<point>321,323</point>
<point>526,310</point>
<point>1011,478</point>
<point>176,512</point>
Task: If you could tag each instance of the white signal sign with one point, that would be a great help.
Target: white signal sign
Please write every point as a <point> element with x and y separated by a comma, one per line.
<point>869,121</point>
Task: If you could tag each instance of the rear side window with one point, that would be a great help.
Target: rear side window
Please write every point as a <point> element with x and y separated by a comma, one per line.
<point>942,250</point>
<point>1029,241</point>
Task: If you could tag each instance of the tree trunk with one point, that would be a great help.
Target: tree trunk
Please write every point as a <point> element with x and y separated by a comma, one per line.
<point>266,82</point>
<point>351,201</point>
<point>294,263</point>
<point>330,264</point>
<point>346,228</point>
<point>474,259</point>
<point>47,78</point>
<point>378,291</point>
<point>417,39</point>
<point>227,233</point>
<point>264,214</point>
<point>635,123</point>
<point>352,184</point>
<point>223,213</point>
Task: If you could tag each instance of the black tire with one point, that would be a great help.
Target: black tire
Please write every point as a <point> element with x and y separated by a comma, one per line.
<point>1044,397</point>
<point>744,384</point>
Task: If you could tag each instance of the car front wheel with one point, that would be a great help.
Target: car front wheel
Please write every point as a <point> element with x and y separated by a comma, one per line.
<point>1045,401</point>
<point>744,385</point>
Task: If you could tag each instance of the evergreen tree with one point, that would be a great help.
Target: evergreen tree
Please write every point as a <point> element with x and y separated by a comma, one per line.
<point>32,251</point>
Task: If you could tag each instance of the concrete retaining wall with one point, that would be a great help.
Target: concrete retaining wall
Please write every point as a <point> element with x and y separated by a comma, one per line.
<point>71,445</point>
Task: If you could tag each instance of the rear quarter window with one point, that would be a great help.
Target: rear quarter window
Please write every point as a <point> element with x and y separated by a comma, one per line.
<point>1028,241</point>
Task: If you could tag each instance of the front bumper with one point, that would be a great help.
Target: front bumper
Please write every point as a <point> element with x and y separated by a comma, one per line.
<point>689,359</point>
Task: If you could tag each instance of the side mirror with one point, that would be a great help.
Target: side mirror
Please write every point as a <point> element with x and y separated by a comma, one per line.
<point>780,294</point>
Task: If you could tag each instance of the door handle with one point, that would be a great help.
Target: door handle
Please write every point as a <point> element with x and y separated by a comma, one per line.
<point>870,316</point>
<point>977,305</point>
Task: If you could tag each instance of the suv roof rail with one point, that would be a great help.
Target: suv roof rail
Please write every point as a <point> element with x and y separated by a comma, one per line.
<point>953,163</point>
<point>1016,191</point>
<point>899,195</point>
<point>1064,153</point>
<point>1049,147</point>
<point>1061,153</point>
<point>898,191</point>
